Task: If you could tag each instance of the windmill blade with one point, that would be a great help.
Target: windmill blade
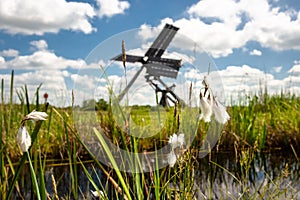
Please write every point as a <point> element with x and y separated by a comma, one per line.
<point>162,41</point>
<point>157,70</point>
<point>174,63</point>
<point>129,58</point>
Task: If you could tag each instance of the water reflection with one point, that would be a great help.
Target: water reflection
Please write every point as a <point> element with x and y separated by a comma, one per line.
<point>217,176</point>
<point>268,174</point>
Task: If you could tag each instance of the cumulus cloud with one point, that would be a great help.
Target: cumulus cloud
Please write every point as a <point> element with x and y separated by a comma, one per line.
<point>56,73</point>
<point>245,80</point>
<point>109,8</point>
<point>50,16</point>
<point>9,53</point>
<point>254,81</point>
<point>84,81</point>
<point>39,44</point>
<point>43,58</point>
<point>219,30</point>
<point>295,70</point>
<point>292,82</point>
<point>228,15</point>
<point>255,52</point>
<point>38,17</point>
<point>239,81</point>
<point>2,60</point>
<point>52,82</point>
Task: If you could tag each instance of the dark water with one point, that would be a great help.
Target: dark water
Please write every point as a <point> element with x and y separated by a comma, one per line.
<point>269,176</point>
<point>274,176</point>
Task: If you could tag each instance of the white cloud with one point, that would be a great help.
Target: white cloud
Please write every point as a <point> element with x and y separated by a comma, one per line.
<point>9,53</point>
<point>277,69</point>
<point>255,52</point>
<point>109,8</point>
<point>209,38</point>
<point>39,44</point>
<point>84,81</point>
<point>240,81</point>
<point>295,70</point>
<point>50,16</point>
<point>219,31</point>
<point>147,32</point>
<point>228,15</point>
<point>2,60</point>
<point>65,73</point>
<point>52,82</point>
<point>44,76</point>
<point>38,17</point>
<point>272,27</point>
<point>53,71</point>
<point>296,61</point>
<point>42,58</point>
<point>88,87</point>
<point>293,80</point>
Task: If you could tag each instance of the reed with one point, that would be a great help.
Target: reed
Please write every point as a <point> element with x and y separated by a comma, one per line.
<point>271,122</point>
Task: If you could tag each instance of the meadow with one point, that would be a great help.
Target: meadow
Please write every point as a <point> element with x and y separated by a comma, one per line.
<point>268,124</point>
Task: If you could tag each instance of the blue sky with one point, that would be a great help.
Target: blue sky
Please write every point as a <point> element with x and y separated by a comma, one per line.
<point>250,42</point>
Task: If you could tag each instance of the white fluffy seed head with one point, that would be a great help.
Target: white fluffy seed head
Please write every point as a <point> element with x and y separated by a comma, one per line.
<point>206,108</point>
<point>172,158</point>
<point>36,116</point>
<point>23,139</point>
<point>220,112</point>
<point>176,140</point>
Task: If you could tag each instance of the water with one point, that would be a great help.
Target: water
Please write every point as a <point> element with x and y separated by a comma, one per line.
<point>273,174</point>
<point>217,176</point>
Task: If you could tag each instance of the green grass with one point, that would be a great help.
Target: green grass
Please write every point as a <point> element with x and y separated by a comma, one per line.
<point>267,123</point>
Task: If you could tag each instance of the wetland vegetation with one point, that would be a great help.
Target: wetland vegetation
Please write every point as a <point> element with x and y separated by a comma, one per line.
<point>256,155</point>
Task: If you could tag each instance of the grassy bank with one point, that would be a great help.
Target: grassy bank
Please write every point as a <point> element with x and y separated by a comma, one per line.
<point>269,123</point>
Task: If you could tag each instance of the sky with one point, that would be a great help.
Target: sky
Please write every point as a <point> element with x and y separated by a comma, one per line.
<point>62,43</point>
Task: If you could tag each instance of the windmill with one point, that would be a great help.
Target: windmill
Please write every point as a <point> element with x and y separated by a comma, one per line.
<point>156,66</point>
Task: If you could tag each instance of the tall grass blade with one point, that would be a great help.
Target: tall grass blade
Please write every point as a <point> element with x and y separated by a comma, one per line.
<point>2,92</point>
<point>137,164</point>
<point>27,99</point>
<point>34,180</point>
<point>72,165</point>
<point>113,162</point>
<point>37,108</point>
<point>2,150</point>
<point>36,143</point>
<point>11,98</point>
<point>42,185</point>
<point>156,178</point>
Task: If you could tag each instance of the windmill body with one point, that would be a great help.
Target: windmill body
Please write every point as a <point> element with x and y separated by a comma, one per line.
<point>156,66</point>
